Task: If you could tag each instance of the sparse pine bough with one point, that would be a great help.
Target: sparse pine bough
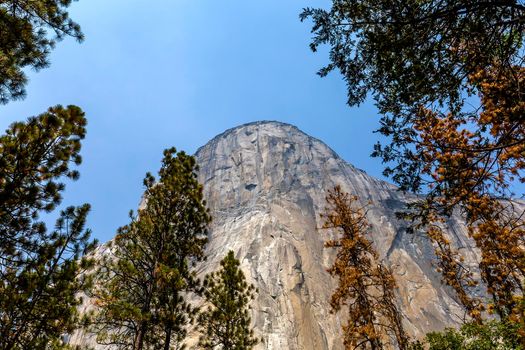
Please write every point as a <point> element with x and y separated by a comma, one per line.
<point>366,287</point>
<point>29,31</point>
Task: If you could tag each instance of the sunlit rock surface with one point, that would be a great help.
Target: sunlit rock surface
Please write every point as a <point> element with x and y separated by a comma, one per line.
<point>265,184</point>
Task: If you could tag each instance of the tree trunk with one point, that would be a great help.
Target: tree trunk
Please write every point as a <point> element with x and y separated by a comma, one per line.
<point>375,344</point>
<point>167,338</point>
<point>139,340</point>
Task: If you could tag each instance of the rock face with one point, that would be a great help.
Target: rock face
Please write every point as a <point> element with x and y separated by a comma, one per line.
<point>265,184</point>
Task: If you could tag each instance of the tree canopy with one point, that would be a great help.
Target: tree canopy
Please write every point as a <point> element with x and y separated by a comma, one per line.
<point>38,268</point>
<point>143,281</point>
<point>414,54</point>
<point>446,77</point>
<point>493,335</point>
<point>366,286</point>
<point>29,31</point>
<point>225,323</point>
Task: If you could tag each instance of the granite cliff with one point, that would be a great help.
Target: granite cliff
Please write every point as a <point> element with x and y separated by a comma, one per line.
<point>265,184</point>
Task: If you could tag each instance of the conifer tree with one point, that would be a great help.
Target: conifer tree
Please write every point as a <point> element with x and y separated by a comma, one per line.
<point>29,31</point>
<point>492,335</point>
<point>366,286</point>
<point>226,322</point>
<point>41,272</point>
<point>446,77</point>
<point>141,294</point>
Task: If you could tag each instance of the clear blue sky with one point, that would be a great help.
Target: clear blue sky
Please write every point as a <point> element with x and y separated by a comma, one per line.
<point>156,74</point>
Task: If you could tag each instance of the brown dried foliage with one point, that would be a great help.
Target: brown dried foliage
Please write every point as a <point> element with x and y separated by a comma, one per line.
<point>366,287</point>
<point>472,160</point>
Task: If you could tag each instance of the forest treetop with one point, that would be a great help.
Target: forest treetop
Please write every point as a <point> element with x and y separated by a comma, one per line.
<point>29,31</point>
<point>416,51</point>
<point>420,53</point>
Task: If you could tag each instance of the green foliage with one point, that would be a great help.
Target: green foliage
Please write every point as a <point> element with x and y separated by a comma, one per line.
<point>226,322</point>
<point>41,272</point>
<point>29,31</point>
<point>493,335</point>
<point>450,339</point>
<point>144,279</point>
<point>414,53</point>
<point>35,157</point>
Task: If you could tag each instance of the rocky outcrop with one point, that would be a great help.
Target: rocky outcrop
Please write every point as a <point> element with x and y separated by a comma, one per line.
<point>265,184</point>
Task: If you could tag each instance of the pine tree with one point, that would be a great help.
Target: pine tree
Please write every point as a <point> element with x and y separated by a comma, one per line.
<point>366,287</point>
<point>473,172</point>
<point>492,335</point>
<point>446,77</point>
<point>226,322</point>
<point>29,31</point>
<point>41,272</point>
<point>412,53</point>
<point>143,281</point>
